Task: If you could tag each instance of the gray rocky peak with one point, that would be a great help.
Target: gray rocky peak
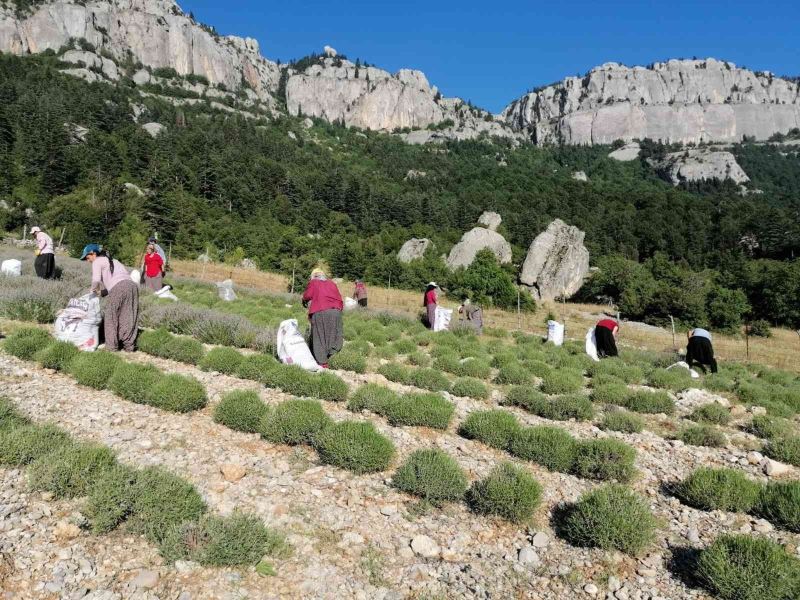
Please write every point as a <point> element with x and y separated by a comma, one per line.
<point>413,249</point>
<point>557,262</point>
<point>490,220</point>
<point>464,252</point>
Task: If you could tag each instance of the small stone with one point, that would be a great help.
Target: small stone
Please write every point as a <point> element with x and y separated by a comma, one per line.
<point>693,536</point>
<point>773,468</point>
<point>755,458</point>
<point>145,444</point>
<point>758,410</point>
<point>185,566</point>
<point>233,473</point>
<point>613,584</point>
<point>351,539</point>
<point>146,579</point>
<point>389,510</point>
<point>591,589</point>
<point>424,546</point>
<point>66,531</point>
<point>541,540</point>
<point>528,556</point>
<point>763,526</point>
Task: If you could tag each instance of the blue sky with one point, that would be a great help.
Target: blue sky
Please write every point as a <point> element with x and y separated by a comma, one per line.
<point>492,53</point>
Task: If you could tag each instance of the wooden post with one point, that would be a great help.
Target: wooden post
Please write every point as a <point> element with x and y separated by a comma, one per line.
<point>747,340</point>
<point>519,311</point>
<point>205,262</point>
<point>293,267</point>
<point>61,239</point>
<point>672,320</point>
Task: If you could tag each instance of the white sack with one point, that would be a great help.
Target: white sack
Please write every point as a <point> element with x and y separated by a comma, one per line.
<point>165,293</point>
<point>79,323</point>
<point>136,276</point>
<point>225,290</point>
<point>11,267</point>
<point>441,321</point>
<point>350,303</point>
<point>591,345</point>
<point>684,365</point>
<point>292,347</point>
<point>555,332</point>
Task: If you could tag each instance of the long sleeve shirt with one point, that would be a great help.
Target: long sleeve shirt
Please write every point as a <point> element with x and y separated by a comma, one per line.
<point>44,243</point>
<point>101,273</point>
<point>153,264</point>
<point>322,294</point>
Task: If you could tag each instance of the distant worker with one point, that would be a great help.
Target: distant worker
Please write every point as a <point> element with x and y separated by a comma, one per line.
<point>121,316</point>
<point>470,315</point>
<point>430,302</point>
<point>159,251</point>
<point>360,293</point>
<point>153,268</point>
<point>45,262</point>
<point>605,333</point>
<point>699,350</point>
<point>325,306</point>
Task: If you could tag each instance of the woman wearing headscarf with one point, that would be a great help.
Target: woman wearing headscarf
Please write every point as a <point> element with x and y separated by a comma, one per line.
<point>430,302</point>
<point>605,333</point>
<point>45,262</point>
<point>471,315</point>
<point>121,316</point>
<point>699,350</point>
<point>153,267</point>
<point>325,305</point>
<point>360,293</point>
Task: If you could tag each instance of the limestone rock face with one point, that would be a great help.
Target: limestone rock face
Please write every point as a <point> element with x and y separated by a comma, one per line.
<point>580,176</point>
<point>463,253</point>
<point>701,164</point>
<point>557,262</point>
<point>154,129</point>
<point>627,153</point>
<point>413,249</point>
<point>156,32</point>
<point>685,101</point>
<point>490,220</point>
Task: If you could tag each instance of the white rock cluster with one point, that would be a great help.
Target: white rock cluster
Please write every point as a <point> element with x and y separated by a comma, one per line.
<point>701,164</point>
<point>557,262</point>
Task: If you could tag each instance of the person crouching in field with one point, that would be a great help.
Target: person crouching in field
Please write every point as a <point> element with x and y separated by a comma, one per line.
<point>153,267</point>
<point>360,293</point>
<point>430,302</point>
<point>45,262</point>
<point>121,315</point>
<point>471,316</point>
<point>325,305</point>
<point>700,351</point>
<point>605,333</point>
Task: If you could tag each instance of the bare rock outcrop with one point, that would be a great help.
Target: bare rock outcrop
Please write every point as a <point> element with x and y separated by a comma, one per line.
<point>626,153</point>
<point>557,262</point>
<point>490,220</point>
<point>700,165</point>
<point>413,249</point>
<point>685,101</point>
<point>580,176</point>
<point>475,240</point>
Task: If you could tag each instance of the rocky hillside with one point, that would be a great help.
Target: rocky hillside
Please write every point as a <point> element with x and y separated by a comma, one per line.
<point>679,101</point>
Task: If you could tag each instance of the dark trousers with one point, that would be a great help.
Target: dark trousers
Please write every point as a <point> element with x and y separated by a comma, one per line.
<point>362,303</point>
<point>606,344</point>
<point>700,352</point>
<point>45,266</point>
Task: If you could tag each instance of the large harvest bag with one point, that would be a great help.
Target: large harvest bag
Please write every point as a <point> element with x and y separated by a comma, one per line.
<point>79,323</point>
<point>292,347</point>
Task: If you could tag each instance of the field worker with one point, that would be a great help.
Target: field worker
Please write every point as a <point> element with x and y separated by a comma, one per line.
<point>153,268</point>
<point>360,293</point>
<point>121,316</point>
<point>471,315</point>
<point>325,305</point>
<point>159,251</point>
<point>700,351</point>
<point>45,262</point>
<point>605,333</point>
<point>430,302</point>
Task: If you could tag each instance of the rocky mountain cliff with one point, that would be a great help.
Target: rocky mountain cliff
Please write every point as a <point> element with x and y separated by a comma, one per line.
<point>683,101</point>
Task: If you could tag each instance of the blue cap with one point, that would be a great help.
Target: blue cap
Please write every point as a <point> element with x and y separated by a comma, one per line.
<point>88,249</point>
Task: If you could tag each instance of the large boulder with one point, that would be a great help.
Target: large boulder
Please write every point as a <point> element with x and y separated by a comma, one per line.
<point>413,249</point>
<point>700,165</point>
<point>626,153</point>
<point>557,262</point>
<point>463,253</point>
<point>490,220</point>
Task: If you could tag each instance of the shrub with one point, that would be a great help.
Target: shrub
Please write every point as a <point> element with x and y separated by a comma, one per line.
<point>154,341</point>
<point>26,443</point>
<point>604,459</point>
<point>94,369</point>
<point>474,368</point>
<point>612,518</point>
<point>257,367</point>
<point>294,422</point>
<point>133,381</point>
<point>292,379</point>
<point>718,382</point>
<point>423,410</point>
<point>70,470</point>
<point>508,492</point>
<point>712,412</point>
<point>222,360</point>
<point>395,372</point>
<point>469,387</point>
<point>161,502</point>
<point>494,428</point>
<point>429,379</point>
<point>373,397</point>
<point>222,541</point>
<point>719,489</point>
<point>26,342</point>
<point>623,421</point>
<point>183,349</point>
<point>644,401</point>
<point>357,447</point>
<point>768,427</point>
<point>386,351</point>
<point>674,379</point>
<point>330,387</point>
<point>562,382</point>
<point>702,435</point>
<point>241,410</point>
<point>551,447</point>
<point>526,397</point>
<point>760,328</point>
<point>616,368</point>
<point>610,393</point>
<point>348,361</point>
<point>538,368</point>
<point>10,417</point>
<point>177,393</point>
<point>779,503</point>
<point>741,567</point>
<point>448,363</point>
<point>513,374</point>
<point>419,359</point>
<point>784,449</point>
<point>111,498</point>
<point>404,346</point>
<point>57,355</point>
<point>432,475</point>
<point>563,408</point>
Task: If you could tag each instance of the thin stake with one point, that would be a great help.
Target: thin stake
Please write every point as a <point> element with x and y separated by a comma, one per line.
<point>519,312</point>
<point>61,239</point>
<point>674,347</point>
<point>747,340</point>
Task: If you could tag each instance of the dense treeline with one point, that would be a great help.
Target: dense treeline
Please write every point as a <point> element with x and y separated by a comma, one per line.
<point>243,187</point>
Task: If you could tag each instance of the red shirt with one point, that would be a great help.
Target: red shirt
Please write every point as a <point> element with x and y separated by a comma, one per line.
<point>430,297</point>
<point>323,295</point>
<point>153,264</point>
<point>360,291</point>
<point>609,324</point>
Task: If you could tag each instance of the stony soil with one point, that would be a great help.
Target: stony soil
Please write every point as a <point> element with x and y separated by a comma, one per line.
<point>351,535</point>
